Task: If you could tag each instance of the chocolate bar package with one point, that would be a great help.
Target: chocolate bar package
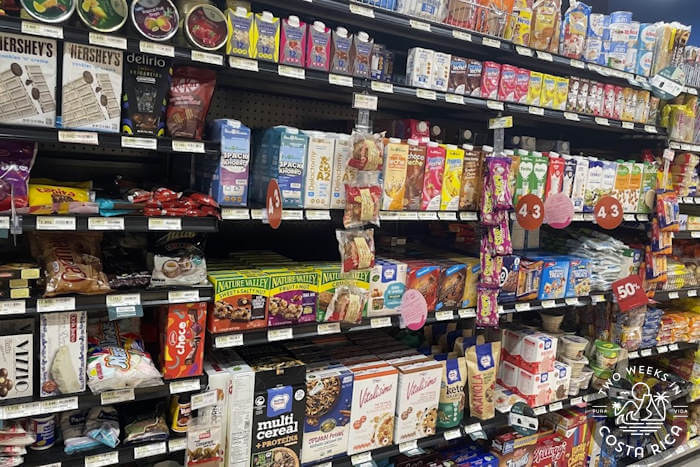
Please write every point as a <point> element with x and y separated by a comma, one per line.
<point>146,85</point>
<point>92,88</point>
<point>182,329</point>
<point>28,70</point>
<point>16,357</point>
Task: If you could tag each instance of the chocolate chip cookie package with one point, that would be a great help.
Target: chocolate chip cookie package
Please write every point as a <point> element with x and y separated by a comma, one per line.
<point>16,373</point>
<point>328,404</point>
<point>240,301</point>
<point>92,88</point>
<point>279,407</point>
<point>28,74</point>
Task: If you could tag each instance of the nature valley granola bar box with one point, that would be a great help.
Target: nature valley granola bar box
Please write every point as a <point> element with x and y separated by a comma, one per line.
<point>240,301</point>
<point>292,297</point>
<point>417,400</point>
<point>350,306</point>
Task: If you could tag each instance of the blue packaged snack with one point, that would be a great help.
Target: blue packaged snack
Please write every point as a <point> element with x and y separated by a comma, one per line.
<point>579,281</point>
<point>647,36</point>
<point>281,155</point>
<point>508,278</point>
<point>555,274</point>
<point>620,17</point>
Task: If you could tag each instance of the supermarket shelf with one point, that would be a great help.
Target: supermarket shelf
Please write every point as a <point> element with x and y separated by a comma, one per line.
<point>690,200</point>
<point>686,234</point>
<point>662,295</point>
<point>151,452</point>
<point>671,456</point>
<point>86,223</point>
<point>30,406</point>
<point>678,145</point>
<point>123,301</point>
<point>661,349</point>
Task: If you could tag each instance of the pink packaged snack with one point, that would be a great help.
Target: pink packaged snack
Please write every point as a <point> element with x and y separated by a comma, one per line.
<point>487,307</point>
<point>619,103</point>
<point>16,160</point>
<point>522,80</point>
<point>609,101</point>
<point>318,47</point>
<point>488,214</point>
<point>555,174</point>
<point>292,41</point>
<point>490,76</point>
<point>499,171</point>
<point>432,179</point>
<point>506,86</point>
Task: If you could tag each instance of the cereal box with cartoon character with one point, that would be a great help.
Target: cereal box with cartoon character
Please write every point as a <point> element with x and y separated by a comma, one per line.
<point>417,400</point>
<point>579,281</point>
<point>555,274</point>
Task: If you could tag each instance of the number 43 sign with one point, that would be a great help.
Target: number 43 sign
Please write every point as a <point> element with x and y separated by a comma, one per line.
<point>608,213</point>
<point>629,292</point>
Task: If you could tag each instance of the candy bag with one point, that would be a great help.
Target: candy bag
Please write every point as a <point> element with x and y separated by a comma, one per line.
<point>16,160</point>
<point>499,171</point>
<point>110,368</point>
<point>356,249</point>
<point>145,422</point>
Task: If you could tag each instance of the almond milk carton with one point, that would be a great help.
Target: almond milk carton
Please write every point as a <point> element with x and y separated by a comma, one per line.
<point>373,407</point>
<point>417,400</point>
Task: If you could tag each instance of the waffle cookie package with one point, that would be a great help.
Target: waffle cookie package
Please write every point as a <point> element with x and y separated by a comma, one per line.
<point>92,88</point>
<point>28,71</point>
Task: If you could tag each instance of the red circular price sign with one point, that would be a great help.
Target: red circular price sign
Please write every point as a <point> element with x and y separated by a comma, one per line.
<point>529,212</point>
<point>274,204</point>
<point>608,213</point>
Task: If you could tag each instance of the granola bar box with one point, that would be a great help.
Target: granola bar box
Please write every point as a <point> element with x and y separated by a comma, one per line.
<point>348,307</point>
<point>182,328</point>
<point>327,423</point>
<point>28,70</point>
<point>92,88</point>
<point>373,407</point>
<point>279,408</point>
<point>292,297</point>
<point>240,301</point>
<point>417,400</point>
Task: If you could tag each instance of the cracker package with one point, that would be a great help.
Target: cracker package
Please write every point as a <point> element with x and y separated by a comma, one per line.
<point>92,88</point>
<point>452,392</point>
<point>28,66</point>
<point>482,365</point>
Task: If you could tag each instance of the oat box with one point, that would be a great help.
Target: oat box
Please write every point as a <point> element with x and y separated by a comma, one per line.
<point>62,352</point>
<point>292,297</point>
<point>16,357</point>
<point>373,406</point>
<point>28,66</point>
<point>328,405</point>
<point>417,400</point>
<point>319,169</point>
<point>92,88</point>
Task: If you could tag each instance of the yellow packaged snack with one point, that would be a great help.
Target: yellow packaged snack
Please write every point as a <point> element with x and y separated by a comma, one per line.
<point>395,166</point>
<point>452,178</point>
<point>46,199</point>
<point>549,90</point>
<point>241,33</point>
<point>534,89</point>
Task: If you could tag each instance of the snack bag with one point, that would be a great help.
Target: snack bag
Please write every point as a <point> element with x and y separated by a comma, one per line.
<point>16,160</point>
<point>452,392</point>
<point>356,249</point>
<point>367,152</point>
<point>362,204</point>
<point>482,366</point>
<point>487,307</point>
<point>190,95</point>
<point>573,30</point>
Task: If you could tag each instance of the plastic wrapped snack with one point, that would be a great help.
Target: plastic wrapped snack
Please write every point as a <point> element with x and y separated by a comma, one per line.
<point>347,304</point>
<point>545,21</point>
<point>190,95</point>
<point>16,160</point>
<point>145,422</point>
<point>102,425</point>
<point>573,31</point>
<point>487,307</point>
<point>362,205</point>
<point>112,367</point>
<point>356,249</point>
<point>15,433</point>
<point>179,260</point>
<point>367,152</point>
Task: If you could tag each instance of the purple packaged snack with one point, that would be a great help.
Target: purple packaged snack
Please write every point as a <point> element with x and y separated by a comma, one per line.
<point>292,297</point>
<point>360,53</point>
<point>499,171</point>
<point>490,265</point>
<point>318,47</point>
<point>341,42</point>
<point>488,215</point>
<point>499,238</point>
<point>292,41</point>
<point>487,307</point>
<point>16,161</point>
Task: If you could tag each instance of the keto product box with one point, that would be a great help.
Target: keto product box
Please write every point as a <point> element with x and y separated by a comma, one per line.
<point>555,274</point>
<point>16,363</point>
<point>340,175</point>
<point>281,155</point>
<point>373,408</point>
<point>387,283</point>
<point>579,282</point>
<point>318,170</point>
<point>328,403</point>
<point>240,301</point>
<point>535,388</point>
<point>395,171</point>
<point>424,277</point>
<point>182,329</point>
<point>92,88</point>
<point>292,297</point>
<point>419,71</point>
<point>350,310</point>
<point>561,377</point>
<point>225,177</point>
<point>28,64</point>
<point>417,400</point>
<point>279,408</point>
<point>452,178</point>
<point>62,352</point>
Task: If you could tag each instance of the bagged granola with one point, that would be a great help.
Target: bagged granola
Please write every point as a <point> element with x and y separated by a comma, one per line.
<point>452,397</point>
<point>482,367</point>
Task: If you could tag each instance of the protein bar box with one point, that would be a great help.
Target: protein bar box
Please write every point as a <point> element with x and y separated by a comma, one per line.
<point>28,74</point>
<point>92,88</point>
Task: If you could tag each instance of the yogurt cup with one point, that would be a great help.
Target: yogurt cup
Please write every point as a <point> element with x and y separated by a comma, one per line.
<point>600,376</point>
<point>550,322</point>
<point>576,384</point>
<point>205,27</point>
<point>572,346</point>
<point>606,354</point>
<point>103,15</point>
<point>156,20</point>
<point>576,364</point>
<point>586,374</point>
<point>49,11</point>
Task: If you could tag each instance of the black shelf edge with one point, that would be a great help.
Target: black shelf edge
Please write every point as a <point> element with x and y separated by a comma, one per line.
<point>681,146</point>
<point>686,234</point>
<point>661,349</point>
<point>97,223</point>
<point>687,292</point>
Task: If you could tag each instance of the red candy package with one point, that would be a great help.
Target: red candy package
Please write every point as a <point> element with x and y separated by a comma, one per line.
<point>182,339</point>
<point>190,95</point>
<point>506,87</point>
<point>165,194</point>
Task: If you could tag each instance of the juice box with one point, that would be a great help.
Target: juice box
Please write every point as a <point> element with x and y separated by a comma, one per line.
<point>432,179</point>
<point>534,89</point>
<point>622,179</point>
<point>329,279</point>
<point>415,172</point>
<point>549,90</point>
<point>609,176</point>
<point>292,297</point>
<point>470,190</point>
<point>648,189</point>
<point>340,176</point>
<point>522,177</point>
<point>395,167</point>
<point>634,186</point>
<point>267,37</point>
<point>594,183</point>
<point>562,93</point>
<point>241,34</point>
<point>240,301</point>
<point>538,177</point>
<point>319,167</point>
<point>579,282</point>
<point>580,182</point>
<point>522,84</point>
<point>452,178</point>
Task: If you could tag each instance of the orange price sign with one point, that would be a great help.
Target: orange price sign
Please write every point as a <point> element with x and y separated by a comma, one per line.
<point>529,212</point>
<point>608,213</point>
<point>274,204</point>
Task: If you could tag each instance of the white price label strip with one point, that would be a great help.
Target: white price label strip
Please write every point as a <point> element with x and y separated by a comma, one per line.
<point>602,121</point>
<point>291,72</point>
<point>243,63</point>
<point>540,410</point>
<point>693,293</point>
<point>535,110</point>
<point>232,340</point>
<point>645,352</point>
<point>523,51</point>
<point>695,234</point>
<point>662,349</point>
<point>642,217</point>
<point>188,146</point>
<point>183,296</point>
<point>187,385</point>
<point>555,406</point>
<point>650,129</point>
<point>379,86</point>
<point>546,56</point>
<point>628,125</point>
<point>131,299</point>
<point>408,446</point>
<point>461,35</point>
<point>107,40</point>
<point>119,395</point>
<point>59,405</point>
<point>572,301</point>
<point>522,306</point>
<point>672,347</point>
<point>44,305</point>
<point>423,26</point>
<point>4,222</point>
<point>21,410</point>
<point>139,143</point>
<point>153,449</point>
<point>454,99</point>
<point>672,295</point>
<point>105,223</point>
<point>494,105</point>
<point>628,217</point>
<point>206,57</point>
<point>55,223</point>
<point>577,64</point>
<point>467,216</point>
<point>156,49</point>
<point>177,444</point>
<point>235,214</point>
<point>597,298</point>
<point>549,304</point>
<point>572,116</point>
<point>100,460</point>
<point>361,10</point>
<point>358,459</point>
<point>318,214</point>
<point>204,399</point>
<point>576,400</point>
<point>447,315</point>
<point>13,307</point>
<point>365,102</point>
<point>588,217</point>
<point>279,334</point>
<point>633,355</point>
<point>487,41</point>
<point>427,216</point>
<point>44,30</point>
<point>466,313</point>
<point>164,223</point>
<point>447,216</point>
<point>426,94</point>
<point>340,80</point>
<point>452,434</point>
<point>328,328</point>
<point>380,322</point>
<point>473,428</point>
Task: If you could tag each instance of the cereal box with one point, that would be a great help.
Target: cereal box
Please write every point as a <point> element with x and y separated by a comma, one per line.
<point>292,297</point>
<point>328,405</point>
<point>92,88</point>
<point>433,176</point>
<point>240,301</point>
<point>329,278</point>
<point>373,408</point>
<point>340,175</point>
<point>425,278</point>
<point>182,329</point>
<point>16,363</point>
<point>555,273</point>
<point>579,282</point>
<point>417,400</point>
<point>395,168</point>
<point>415,171</point>
<point>386,287</point>
<point>62,353</point>
<point>28,65</point>
<point>550,451</point>
<point>452,178</point>
<point>319,167</point>
<point>534,89</point>
<point>452,281</point>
